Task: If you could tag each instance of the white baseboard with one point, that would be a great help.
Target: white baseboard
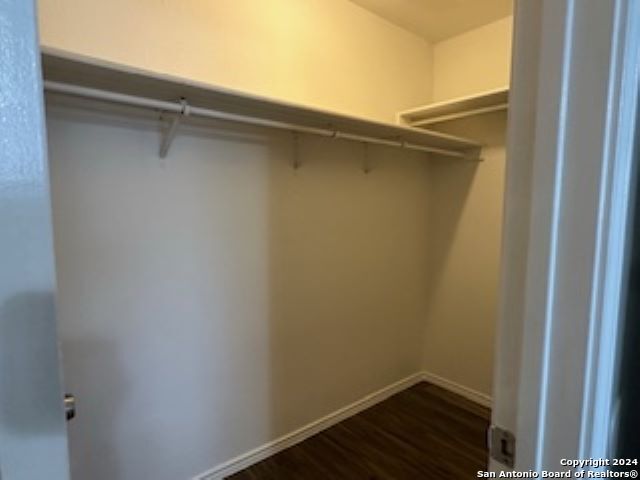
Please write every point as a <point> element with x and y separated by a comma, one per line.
<point>271,448</point>
<point>466,392</point>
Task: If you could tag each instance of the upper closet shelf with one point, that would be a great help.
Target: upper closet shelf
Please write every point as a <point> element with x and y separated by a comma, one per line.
<point>490,101</point>
<point>93,79</point>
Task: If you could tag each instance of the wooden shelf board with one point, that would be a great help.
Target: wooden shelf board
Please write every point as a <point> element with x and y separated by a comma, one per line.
<point>485,102</point>
<point>89,72</point>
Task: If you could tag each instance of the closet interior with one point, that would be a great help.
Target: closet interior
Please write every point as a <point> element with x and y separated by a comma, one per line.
<point>270,217</point>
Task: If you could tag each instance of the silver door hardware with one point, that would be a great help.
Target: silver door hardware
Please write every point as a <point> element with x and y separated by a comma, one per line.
<point>502,445</point>
<point>69,406</point>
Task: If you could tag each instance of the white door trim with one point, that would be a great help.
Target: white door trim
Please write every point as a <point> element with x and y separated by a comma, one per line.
<point>573,107</point>
<point>606,312</point>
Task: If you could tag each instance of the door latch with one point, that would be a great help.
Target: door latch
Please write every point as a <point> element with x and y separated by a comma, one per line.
<point>69,406</point>
<point>502,445</point>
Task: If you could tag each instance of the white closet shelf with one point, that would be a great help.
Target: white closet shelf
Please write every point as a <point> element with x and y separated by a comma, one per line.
<point>70,74</point>
<point>485,102</point>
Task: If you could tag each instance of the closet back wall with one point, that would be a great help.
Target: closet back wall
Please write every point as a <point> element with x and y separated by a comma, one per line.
<point>215,300</point>
<point>330,54</point>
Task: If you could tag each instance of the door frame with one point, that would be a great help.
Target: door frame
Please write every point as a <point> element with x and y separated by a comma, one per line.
<point>33,435</point>
<point>572,120</point>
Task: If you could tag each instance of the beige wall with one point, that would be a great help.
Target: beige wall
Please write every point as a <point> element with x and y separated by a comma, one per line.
<point>216,300</point>
<point>270,297</point>
<point>465,219</point>
<point>473,62</point>
<point>465,215</point>
<point>326,53</point>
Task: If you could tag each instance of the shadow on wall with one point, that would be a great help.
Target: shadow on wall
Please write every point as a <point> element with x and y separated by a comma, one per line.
<point>465,216</point>
<point>100,384</point>
<point>216,300</point>
<point>27,341</point>
<point>347,275</point>
<point>451,182</point>
<point>449,188</point>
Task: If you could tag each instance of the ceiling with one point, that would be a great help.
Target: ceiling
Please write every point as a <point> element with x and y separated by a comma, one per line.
<point>436,20</point>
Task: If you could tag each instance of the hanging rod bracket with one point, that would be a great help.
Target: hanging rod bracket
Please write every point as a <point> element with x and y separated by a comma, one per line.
<point>366,158</point>
<point>296,150</point>
<point>171,131</point>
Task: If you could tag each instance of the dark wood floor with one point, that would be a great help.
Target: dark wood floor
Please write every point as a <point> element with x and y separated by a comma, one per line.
<point>424,432</point>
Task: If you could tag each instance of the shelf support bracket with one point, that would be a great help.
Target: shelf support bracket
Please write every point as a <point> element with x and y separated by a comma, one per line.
<point>366,160</point>
<point>171,131</point>
<point>474,154</point>
<point>296,150</point>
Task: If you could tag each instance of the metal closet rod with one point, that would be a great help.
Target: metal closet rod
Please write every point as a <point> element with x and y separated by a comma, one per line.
<point>184,109</point>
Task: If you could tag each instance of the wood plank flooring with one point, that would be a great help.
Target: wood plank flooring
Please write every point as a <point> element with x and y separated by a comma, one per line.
<point>424,432</point>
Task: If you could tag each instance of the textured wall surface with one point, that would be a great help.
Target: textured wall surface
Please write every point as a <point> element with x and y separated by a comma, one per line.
<point>32,428</point>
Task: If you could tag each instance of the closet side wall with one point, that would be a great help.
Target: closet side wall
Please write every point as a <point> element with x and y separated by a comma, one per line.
<point>465,215</point>
<point>330,54</point>
<point>473,62</point>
